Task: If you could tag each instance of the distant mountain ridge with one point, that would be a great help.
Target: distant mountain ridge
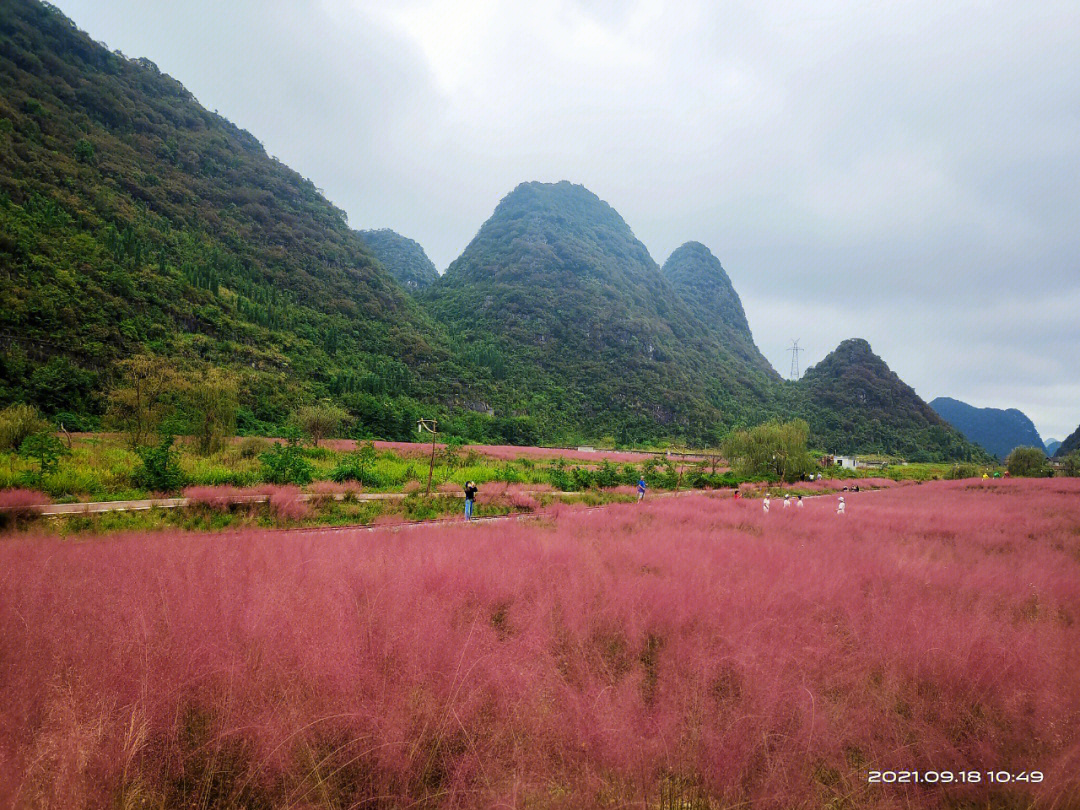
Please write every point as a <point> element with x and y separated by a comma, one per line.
<point>402,257</point>
<point>1052,446</point>
<point>704,286</point>
<point>997,431</point>
<point>855,403</point>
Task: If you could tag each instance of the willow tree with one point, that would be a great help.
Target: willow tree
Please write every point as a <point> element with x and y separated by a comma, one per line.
<point>775,449</point>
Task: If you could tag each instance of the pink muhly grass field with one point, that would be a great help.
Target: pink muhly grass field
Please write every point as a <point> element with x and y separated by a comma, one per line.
<point>689,645</point>
<point>219,497</point>
<point>22,500</point>
<point>325,490</point>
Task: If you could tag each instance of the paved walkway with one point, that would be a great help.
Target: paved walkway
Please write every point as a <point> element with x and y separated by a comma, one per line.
<point>173,503</point>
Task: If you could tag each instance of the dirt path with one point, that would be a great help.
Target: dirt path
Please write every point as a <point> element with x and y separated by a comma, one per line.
<point>98,507</point>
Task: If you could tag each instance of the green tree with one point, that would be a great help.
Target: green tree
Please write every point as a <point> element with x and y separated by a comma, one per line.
<point>285,463</point>
<point>212,400</point>
<point>321,420</point>
<point>1026,461</point>
<point>1071,464</point>
<point>146,396</point>
<point>84,151</point>
<point>773,449</point>
<point>17,422</point>
<point>160,470</point>
<point>45,449</point>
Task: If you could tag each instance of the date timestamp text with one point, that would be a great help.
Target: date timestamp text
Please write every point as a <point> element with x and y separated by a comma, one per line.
<point>952,777</point>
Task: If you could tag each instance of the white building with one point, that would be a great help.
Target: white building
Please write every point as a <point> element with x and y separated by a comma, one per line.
<point>847,462</point>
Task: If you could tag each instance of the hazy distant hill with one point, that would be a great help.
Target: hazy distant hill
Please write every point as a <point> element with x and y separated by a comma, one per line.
<point>698,277</point>
<point>134,220</point>
<point>997,431</point>
<point>569,311</point>
<point>1069,445</point>
<point>1051,446</point>
<point>855,403</point>
<point>403,258</point>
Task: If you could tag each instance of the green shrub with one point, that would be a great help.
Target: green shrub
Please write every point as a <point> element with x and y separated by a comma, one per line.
<point>17,423</point>
<point>44,449</point>
<point>607,475</point>
<point>962,471</point>
<point>160,470</point>
<point>252,446</point>
<point>582,477</point>
<point>285,464</point>
<point>558,477</point>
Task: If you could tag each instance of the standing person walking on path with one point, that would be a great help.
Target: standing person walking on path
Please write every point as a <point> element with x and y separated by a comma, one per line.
<point>641,487</point>
<point>470,497</point>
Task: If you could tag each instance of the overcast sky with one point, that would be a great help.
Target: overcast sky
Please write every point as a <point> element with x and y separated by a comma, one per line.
<point>906,172</point>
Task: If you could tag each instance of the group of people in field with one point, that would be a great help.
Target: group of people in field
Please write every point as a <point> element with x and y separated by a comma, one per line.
<point>766,502</point>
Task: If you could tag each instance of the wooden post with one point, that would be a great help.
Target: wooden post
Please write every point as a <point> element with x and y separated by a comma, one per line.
<point>432,426</point>
<point>431,466</point>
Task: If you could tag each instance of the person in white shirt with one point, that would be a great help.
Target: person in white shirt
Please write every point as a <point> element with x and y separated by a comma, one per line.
<point>765,505</point>
<point>787,501</point>
<point>798,503</point>
<point>840,506</point>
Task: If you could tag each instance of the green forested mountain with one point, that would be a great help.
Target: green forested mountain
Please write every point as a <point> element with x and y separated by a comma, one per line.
<point>1071,443</point>
<point>704,286</point>
<point>402,257</point>
<point>133,220</point>
<point>996,430</point>
<point>855,403</point>
<point>572,317</point>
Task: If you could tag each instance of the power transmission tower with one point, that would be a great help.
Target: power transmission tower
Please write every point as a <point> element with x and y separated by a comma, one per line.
<point>795,359</point>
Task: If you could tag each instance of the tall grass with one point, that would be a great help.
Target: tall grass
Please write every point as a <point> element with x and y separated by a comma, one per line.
<point>686,651</point>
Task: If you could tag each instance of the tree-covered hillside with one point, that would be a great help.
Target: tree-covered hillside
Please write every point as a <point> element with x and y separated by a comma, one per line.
<point>704,286</point>
<point>856,404</point>
<point>402,257</point>
<point>140,231</point>
<point>1071,443</point>
<point>132,220</point>
<point>572,317</point>
<point>997,431</point>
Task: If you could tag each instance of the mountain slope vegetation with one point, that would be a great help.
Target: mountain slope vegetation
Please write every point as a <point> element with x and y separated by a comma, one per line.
<point>402,257</point>
<point>1071,443</point>
<point>997,431</point>
<point>704,286</point>
<point>568,311</point>
<point>132,220</point>
<point>855,403</point>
